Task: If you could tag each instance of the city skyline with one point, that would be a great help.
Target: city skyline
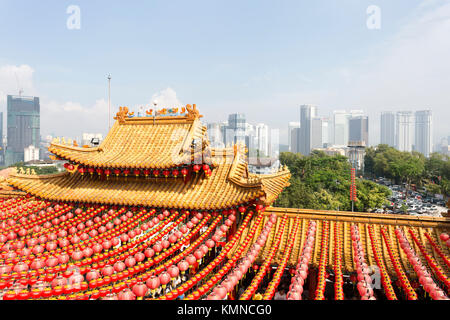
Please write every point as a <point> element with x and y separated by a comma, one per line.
<point>267,82</point>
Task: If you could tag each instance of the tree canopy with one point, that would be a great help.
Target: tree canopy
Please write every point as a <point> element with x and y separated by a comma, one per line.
<point>320,181</point>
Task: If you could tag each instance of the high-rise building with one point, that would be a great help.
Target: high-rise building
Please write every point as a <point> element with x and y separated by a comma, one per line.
<point>23,126</point>
<point>307,113</point>
<point>291,127</point>
<point>2,147</point>
<point>236,128</point>
<point>262,139</point>
<point>326,131</point>
<point>387,128</point>
<point>340,127</point>
<point>295,140</point>
<point>423,132</point>
<point>359,129</point>
<point>316,133</point>
<point>405,132</point>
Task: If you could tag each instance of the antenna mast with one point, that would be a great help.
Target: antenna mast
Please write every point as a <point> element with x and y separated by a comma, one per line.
<point>18,85</point>
<point>109,102</point>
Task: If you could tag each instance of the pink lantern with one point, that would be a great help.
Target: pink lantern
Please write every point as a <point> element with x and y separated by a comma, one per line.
<point>52,261</point>
<point>139,257</point>
<point>183,265</point>
<point>77,255</point>
<point>149,252</point>
<point>63,258</point>
<point>119,266</point>
<point>164,278</point>
<point>84,237</point>
<point>221,291</point>
<point>106,244</point>
<point>37,264</point>
<point>59,281</point>
<point>130,261</point>
<point>153,282</point>
<point>92,274</point>
<point>173,271</point>
<point>140,289</point>
<point>108,270</point>
<point>87,252</point>
<point>126,294</point>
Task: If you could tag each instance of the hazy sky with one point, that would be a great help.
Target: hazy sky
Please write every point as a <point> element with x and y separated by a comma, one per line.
<point>262,58</point>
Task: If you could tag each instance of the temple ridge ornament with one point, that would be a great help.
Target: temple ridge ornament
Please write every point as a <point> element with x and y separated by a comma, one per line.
<point>193,112</point>
<point>121,115</point>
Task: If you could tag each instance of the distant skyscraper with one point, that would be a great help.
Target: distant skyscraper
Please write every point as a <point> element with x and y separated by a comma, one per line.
<point>359,129</point>
<point>307,113</point>
<point>291,127</point>
<point>387,128</point>
<point>340,125</point>
<point>423,132</point>
<point>295,140</point>
<point>23,126</point>
<point>316,133</point>
<point>405,132</point>
<point>325,131</point>
<point>236,128</point>
<point>260,140</point>
<point>2,150</point>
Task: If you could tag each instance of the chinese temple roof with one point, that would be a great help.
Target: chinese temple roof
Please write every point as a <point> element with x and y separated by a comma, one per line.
<point>143,142</point>
<point>229,185</point>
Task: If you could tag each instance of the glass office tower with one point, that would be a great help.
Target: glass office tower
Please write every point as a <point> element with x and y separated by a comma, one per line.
<point>23,125</point>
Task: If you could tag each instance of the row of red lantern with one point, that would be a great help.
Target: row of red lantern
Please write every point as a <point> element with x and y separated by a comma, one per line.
<point>364,285</point>
<point>249,292</point>
<point>320,289</point>
<point>159,282</point>
<point>385,279</point>
<point>172,172</point>
<point>189,259</point>
<point>95,281</point>
<point>404,281</point>
<point>150,252</point>
<point>183,261</point>
<point>34,224</point>
<point>437,248</point>
<point>26,209</point>
<point>434,266</point>
<point>14,243</point>
<point>220,292</point>
<point>51,273</point>
<point>55,290</point>
<point>193,260</point>
<point>41,236</point>
<point>49,270</point>
<point>424,276</point>
<point>35,230</point>
<point>170,251</point>
<point>210,267</point>
<point>445,238</point>
<point>15,207</point>
<point>301,272</point>
<point>36,249</point>
<point>274,283</point>
<point>338,277</point>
